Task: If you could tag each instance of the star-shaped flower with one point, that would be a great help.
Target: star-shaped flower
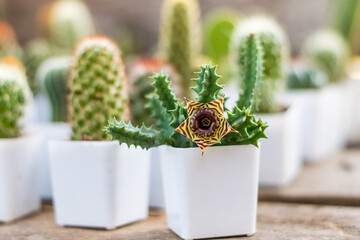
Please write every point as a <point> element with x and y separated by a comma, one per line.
<point>206,124</point>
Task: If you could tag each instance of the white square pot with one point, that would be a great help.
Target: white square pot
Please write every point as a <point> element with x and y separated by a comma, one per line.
<point>214,195</point>
<point>280,157</point>
<point>99,184</point>
<point>48,131</point>
<point>19,182</point>
<point>156,194</point>
<point>322,128</point>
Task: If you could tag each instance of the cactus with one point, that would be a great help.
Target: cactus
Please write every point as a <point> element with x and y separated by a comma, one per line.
<point>179,38</point>
<point>35,53</point>
<point>97,88</point>
<point>171,115</point>
<point>53,75</point>
<point>328,51</point>
<point>218,29</point>
<point>8,41</point>
<point>14,93</point>
<point>306,79</point>
<point>140,86</point>
<point>275,52</point>
<point>67,22</point>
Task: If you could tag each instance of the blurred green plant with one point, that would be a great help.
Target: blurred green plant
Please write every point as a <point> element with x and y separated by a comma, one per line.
<point>97,88</point>
<point>328,51</point>
<point>306,79</point>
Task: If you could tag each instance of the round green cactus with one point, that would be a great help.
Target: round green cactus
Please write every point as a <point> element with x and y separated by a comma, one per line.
<point>53,75</point>
<point>14,93</point>
<point>327,50</point>
<point>68,22</point>
<point>180,42</point>
<point>97,88</point>
<point>275,48</point>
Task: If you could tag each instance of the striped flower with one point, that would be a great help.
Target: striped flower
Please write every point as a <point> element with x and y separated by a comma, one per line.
<point>206,124</point>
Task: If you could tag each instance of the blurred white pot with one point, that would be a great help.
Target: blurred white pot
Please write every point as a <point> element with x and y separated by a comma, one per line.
<point>280,158</point>
<point>99,184</point>
<point>19,182</point>
<point>156,197</point>
<point>214,195</point>
<point>322,120</point>
<point>49,131</point>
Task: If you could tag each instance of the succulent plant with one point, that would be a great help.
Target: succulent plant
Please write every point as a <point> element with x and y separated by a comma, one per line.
<point>98,88</point>
<point>202,123</point>
<point>53,74</point>
<point>306,79</point>
<point>179,37</point>
<point>8,41</point>
<point>35,53</point>
<point>328,51</point>
<point>275,54</point>
<point>140,86</point>
<point>14,93</point>
<point>67,22</point>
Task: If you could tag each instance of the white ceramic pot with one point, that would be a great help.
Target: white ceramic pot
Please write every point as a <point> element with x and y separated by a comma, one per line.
<point>280,158</point>
<point>156,197</point>
<point>48,131</point>
<point>19,182</point>
<point>99,184</point>
<point>214,195</point>
<point>322,130</point>
<point>354,106</point>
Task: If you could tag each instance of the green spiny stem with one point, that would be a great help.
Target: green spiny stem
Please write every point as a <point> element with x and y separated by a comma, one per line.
<point>164,92</point>
<point>207,87</point>
<point>143,137</point>
<point>250,67</point>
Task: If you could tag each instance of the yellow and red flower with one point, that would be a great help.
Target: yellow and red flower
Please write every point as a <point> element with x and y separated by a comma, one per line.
<point>206,124</point>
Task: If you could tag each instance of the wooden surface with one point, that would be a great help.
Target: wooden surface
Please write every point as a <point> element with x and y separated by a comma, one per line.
<point>275,221</point>
<point>334,181</point>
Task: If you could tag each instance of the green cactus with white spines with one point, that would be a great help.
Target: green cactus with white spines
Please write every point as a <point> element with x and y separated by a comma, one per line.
<point>14,94</point>
<point>98,90</point>
<point>169,114</point>
<point>53,75</point>
<point>275,51</point>
<point>180,43</point>
<point>328,51</point>
<point>69,21</point>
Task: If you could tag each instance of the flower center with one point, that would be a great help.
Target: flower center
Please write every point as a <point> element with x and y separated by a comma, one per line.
<point>204,122</point>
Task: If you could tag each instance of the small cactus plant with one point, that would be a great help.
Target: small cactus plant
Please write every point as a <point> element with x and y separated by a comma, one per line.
<point>306,79</point>
<point>202,122</point>
<point>98,90</point>
<point>67,22</point>
<point>53,75</point>
<point>140,86</point>
<point>8,41</point>
<point>14,94</point>
<point>179,37</point>
<point>275,54</point>
<point>328,51</point>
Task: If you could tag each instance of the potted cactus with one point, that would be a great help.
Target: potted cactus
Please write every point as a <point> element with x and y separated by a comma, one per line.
<point>280,156</point>
<point>327,52</point>
<point>197,182</point>
<point>19,192</point>
<point>96,183</point>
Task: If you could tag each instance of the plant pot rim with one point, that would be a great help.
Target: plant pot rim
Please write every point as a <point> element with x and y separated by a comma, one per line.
<point>212,147</point>
<point>24,136</point>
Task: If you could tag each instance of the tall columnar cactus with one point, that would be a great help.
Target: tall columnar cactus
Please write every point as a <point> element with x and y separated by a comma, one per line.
<point>67,22</point>
<point>202,122</point>
<point>8,41</point>
<point>328,51</point>
<point>53,75</point>
<point>345,17</point>
<point>14,93</point>
<point>98,90</point>
<point>35,53</point>
<point>180,41</point>
<point>275,48</point>
<point>218,29</point>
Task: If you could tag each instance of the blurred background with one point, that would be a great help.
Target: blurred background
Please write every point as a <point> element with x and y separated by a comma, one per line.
<point>139,19</point>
